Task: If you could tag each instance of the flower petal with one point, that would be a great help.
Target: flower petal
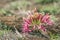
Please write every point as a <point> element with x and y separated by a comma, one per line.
<point>45,18</point>
<point>49,22</point>
<point>42,28</point>
<point>26,20</point>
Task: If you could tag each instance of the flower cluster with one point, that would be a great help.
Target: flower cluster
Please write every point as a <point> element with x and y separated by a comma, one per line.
<point>35,21</point>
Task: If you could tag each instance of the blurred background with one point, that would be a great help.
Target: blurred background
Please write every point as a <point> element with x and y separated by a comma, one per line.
<point>12,11</point>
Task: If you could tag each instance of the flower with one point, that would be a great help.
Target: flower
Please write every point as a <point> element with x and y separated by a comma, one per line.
<point>35,21</point>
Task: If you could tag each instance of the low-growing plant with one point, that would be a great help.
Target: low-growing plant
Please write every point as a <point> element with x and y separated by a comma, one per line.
<point>36,21</point>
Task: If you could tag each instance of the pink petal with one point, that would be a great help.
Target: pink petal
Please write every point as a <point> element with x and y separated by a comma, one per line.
<point>26,28</point>
<point>39,16</point>
<point>45,18</point>
<point>33,27</point>
<point>49,22</point>
<point>26,20</point>
<point>42,28</point>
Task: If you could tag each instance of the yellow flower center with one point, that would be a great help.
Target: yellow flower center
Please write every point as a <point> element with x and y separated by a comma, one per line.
<point>35,15</point>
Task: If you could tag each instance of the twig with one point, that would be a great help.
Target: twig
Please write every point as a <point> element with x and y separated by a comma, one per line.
<point>20,35</point>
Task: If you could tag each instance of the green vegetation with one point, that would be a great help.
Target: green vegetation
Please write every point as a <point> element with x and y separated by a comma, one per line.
<point>45,1</point>
<point>18,5</point>
<point>4,26</point>
<point>3,31</point>
<point>51,9</point>
<point>5,12</point>
<point>54,36</point>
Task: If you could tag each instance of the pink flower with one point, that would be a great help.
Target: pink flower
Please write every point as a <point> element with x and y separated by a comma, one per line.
<point>34,21</point>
